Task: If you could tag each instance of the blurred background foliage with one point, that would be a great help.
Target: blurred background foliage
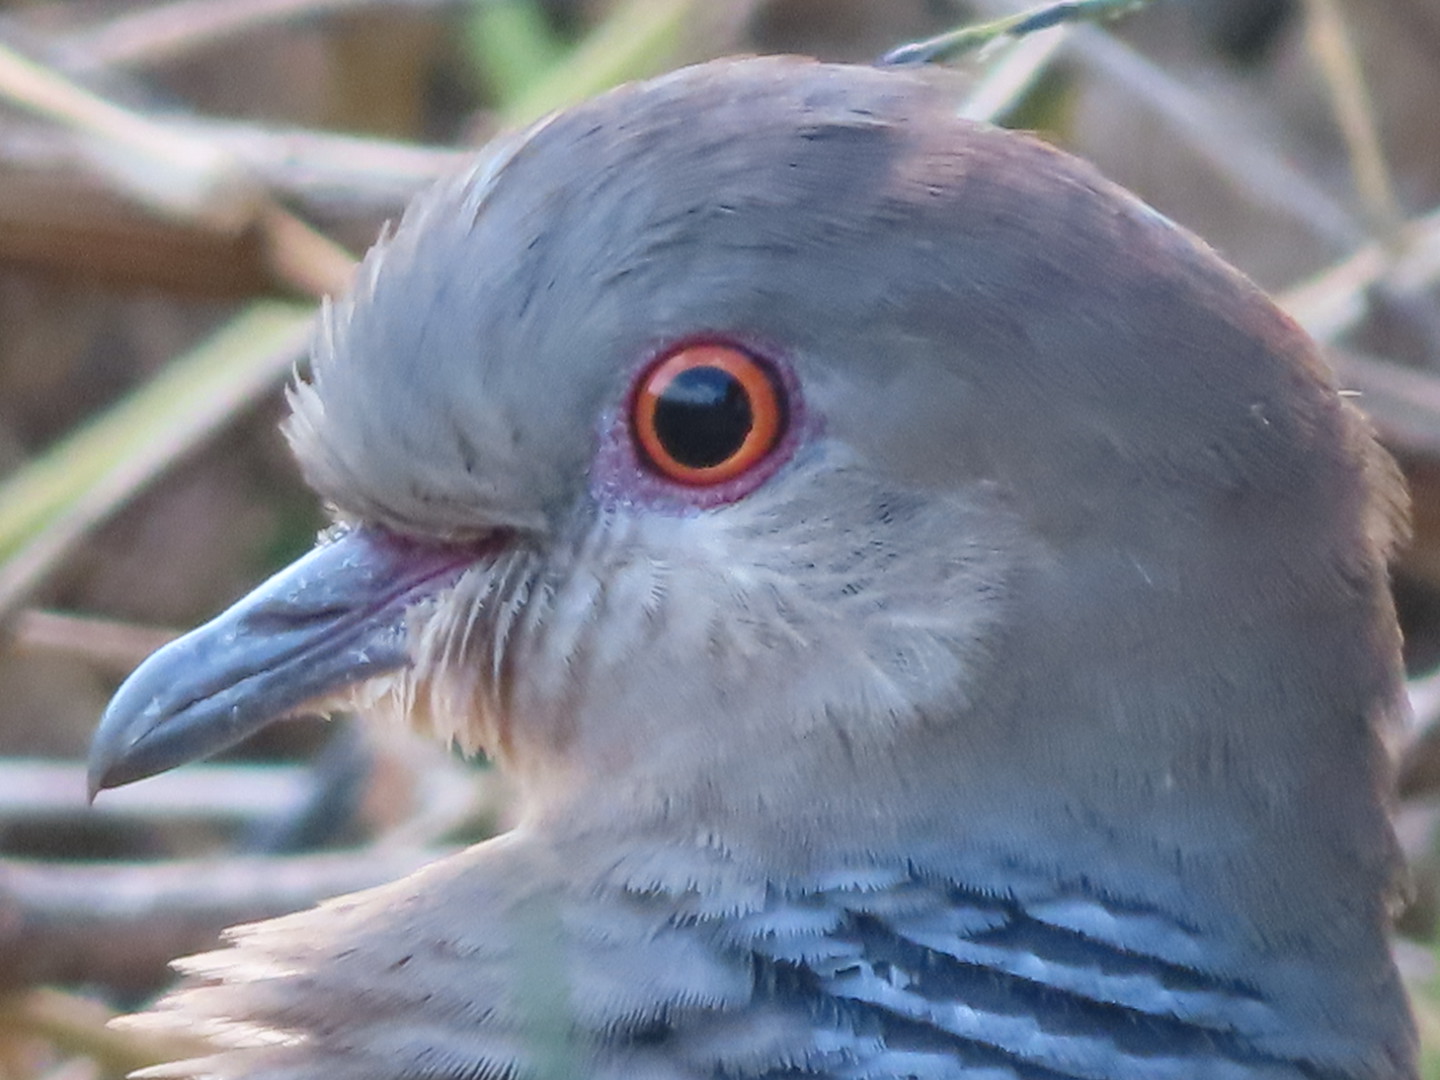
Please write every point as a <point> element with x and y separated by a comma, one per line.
<point>180,180</point>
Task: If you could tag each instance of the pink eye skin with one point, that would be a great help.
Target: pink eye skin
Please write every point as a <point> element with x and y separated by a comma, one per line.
<point>703,422</point>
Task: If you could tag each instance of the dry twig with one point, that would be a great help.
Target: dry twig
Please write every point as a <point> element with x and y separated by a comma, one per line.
<point>162,32</point>
<point>118,925</point>
<point>107,643</point>
<point>1331,47</point>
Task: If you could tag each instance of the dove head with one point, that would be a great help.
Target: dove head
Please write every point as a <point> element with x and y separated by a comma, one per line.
<point>654,619</point>
<point>1047,481</point>
<point>765,453</point>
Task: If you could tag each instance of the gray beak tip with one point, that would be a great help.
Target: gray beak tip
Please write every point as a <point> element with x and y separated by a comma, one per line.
<point>333,619</point>
<point>97,779</point>
<point>122,750</point>
<point>105,753</point>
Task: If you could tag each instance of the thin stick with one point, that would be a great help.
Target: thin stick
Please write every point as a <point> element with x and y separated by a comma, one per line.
<point>81,1026</point>
<point>47,507</point>
<point>118,925</point>
<point>301,255</point>
<point>1008,79</point>
<point>970,38</point>
<point>1331,46</point>
<point>108,643</point>
<point>1336,300</point>
<point>1252,164</point>
<point>155,34</point>
<point>169,170</point>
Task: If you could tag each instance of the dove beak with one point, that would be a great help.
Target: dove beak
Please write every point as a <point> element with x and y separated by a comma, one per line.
<point>329,621</point>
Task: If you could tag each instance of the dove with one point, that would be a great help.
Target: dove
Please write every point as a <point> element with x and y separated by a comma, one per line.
<point>933,611</point>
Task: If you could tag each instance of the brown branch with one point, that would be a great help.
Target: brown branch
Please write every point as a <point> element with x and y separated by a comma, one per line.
<point>119,925</point>
<point>1253,167</point>
<point>39,789</point>
<point>80,1026</point>
<point>58,213</point>
<point>163,32</point>
<point>1403,402</point>
<point>300,255</point>
<point>1334,53</point>
<point>73,225</point>
<point>176,173</point>
<point>1335,301</point>
<point>109,644</point>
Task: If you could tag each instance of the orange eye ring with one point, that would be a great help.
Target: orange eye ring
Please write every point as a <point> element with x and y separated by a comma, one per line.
<point>706,414</point>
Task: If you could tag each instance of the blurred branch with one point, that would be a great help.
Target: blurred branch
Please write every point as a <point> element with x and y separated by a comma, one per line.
<point>415,793</point>
<point>163,32</point>
<point>1253,166</point>
<point>976,37</point>
<point>56,218</point>
<point>300,255</point>
<point>166,169</point>
<point>219,184</point>
<point>118,925</point>
<point>329,174</point>
<point>511,44</point>
<point>1418,771</point>
<point>33,789</point>
<point>634,40</point>
<point>80,1026</point>
<point>57,211</point>
<point>48,505</point>
<point>176,174</point>
<point>1335,301</point>
<point>1009,77</point>
<point>71,224</point>
<point>107,643</point>
<point>1330,45</point>
<point>1403,402</point>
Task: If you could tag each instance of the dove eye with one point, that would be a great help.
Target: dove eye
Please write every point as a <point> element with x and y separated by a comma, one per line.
<point>707,413</point>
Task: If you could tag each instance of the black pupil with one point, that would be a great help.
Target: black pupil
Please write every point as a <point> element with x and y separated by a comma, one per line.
<point>702,416</point>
